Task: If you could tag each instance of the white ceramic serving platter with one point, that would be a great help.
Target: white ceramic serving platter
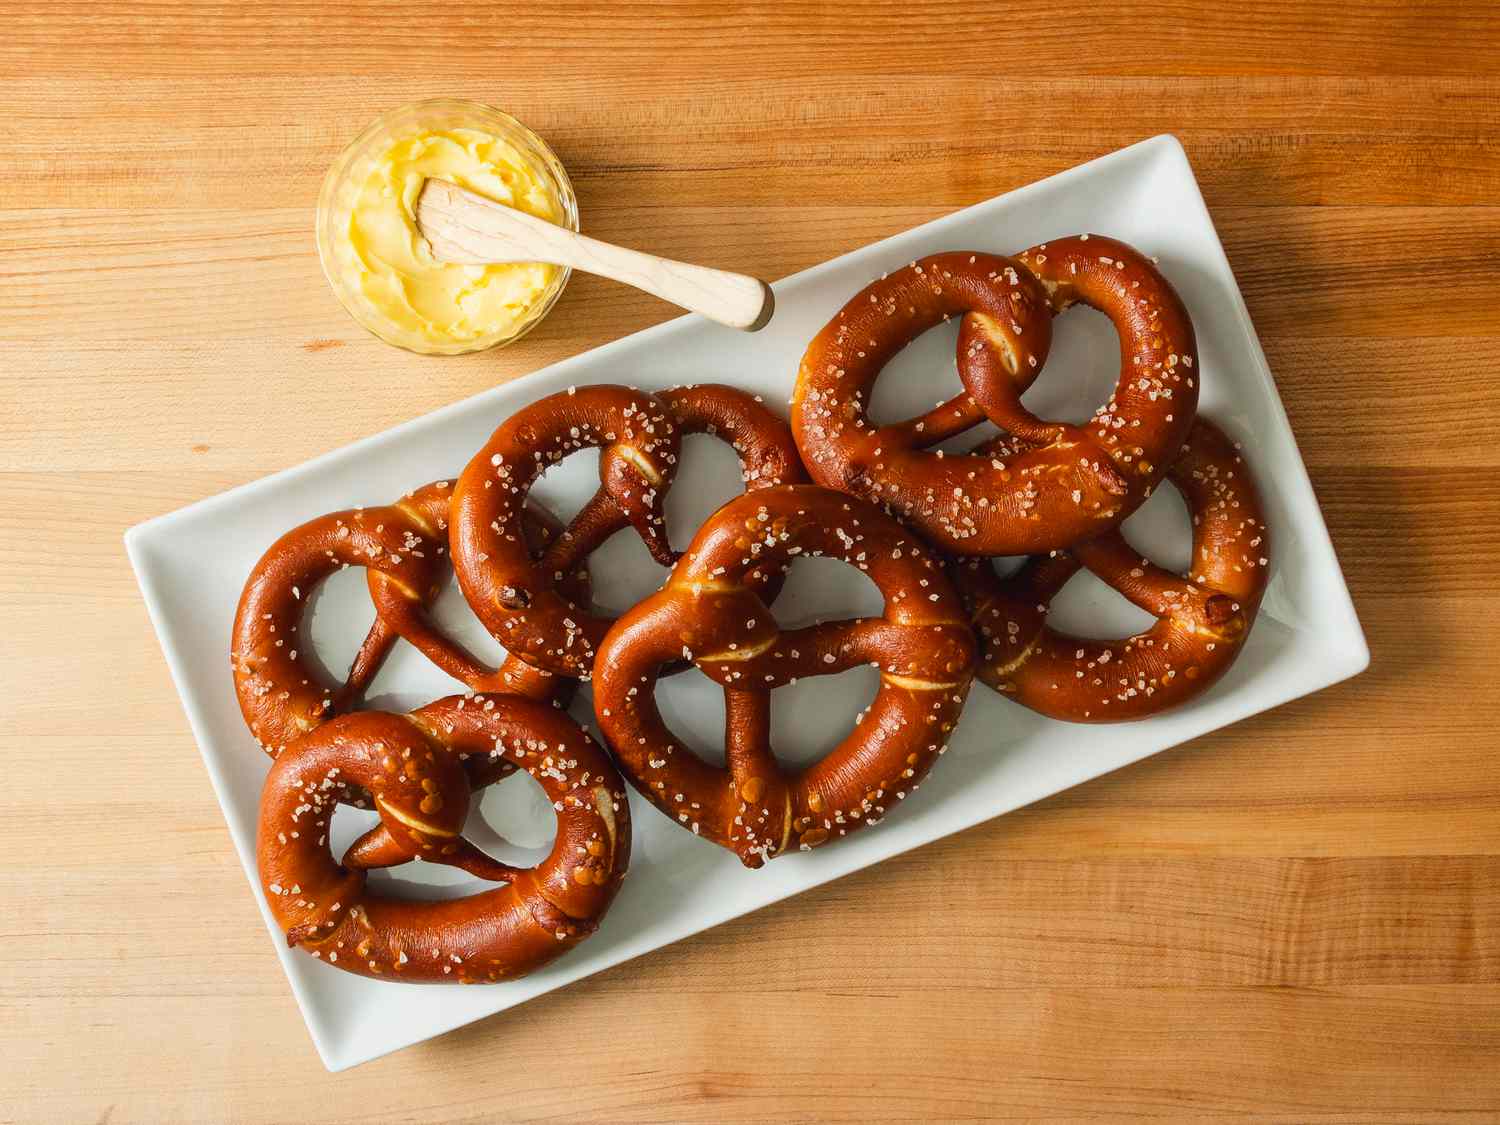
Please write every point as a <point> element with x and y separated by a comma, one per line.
<point>191,565</point>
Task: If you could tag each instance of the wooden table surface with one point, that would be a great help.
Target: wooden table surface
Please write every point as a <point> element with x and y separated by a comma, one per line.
<point>1298,917</point>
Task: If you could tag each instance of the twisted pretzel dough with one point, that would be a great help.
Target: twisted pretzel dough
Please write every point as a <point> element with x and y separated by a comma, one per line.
<point>282,694</point>
<point>1203,619</point>
<point>640,436</point>
<point>1072,482</point>
<point>709,612</point>
<point>413,765</point>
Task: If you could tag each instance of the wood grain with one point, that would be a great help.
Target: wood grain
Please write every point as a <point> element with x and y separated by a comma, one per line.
<point>813,137</point>
<point>638,40</point>
<point>1295,919</point>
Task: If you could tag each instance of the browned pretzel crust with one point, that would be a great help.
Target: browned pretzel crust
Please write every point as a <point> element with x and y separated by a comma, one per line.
<point>1203,618</point>
<point>640,436</point>
<point>414,767</point>
<point>1071,482</point>
<point>403,547</point>
<point>709,613</point>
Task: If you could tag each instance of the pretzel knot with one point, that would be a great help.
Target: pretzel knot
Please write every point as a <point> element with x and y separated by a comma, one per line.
<point>710,613</point>
<point>640,437</point>
<point>403,548</point>
<point>414,766</point>
<point>1071,482</point>
<point>1203,619</point>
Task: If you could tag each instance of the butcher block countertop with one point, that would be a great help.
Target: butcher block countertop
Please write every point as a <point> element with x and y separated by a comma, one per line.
<point>1295,919</point>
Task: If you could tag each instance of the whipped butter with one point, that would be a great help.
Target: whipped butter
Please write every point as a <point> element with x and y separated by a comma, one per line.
<point>411,298</point>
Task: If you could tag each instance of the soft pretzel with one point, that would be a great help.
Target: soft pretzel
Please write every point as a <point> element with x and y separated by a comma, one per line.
<point>640,436</point>
<point>709,613</point>
<point>1203,618</point>
<point>412,764</point>
<point>1072,482</point>
<point>403,548</point>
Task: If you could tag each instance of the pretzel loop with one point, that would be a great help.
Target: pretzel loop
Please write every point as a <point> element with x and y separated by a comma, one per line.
<point>708,614</point>
<point>1070,482</point>
<point>1203,618</point>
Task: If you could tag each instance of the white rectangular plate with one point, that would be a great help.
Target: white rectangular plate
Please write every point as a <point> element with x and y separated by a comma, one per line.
<point>191,565</point>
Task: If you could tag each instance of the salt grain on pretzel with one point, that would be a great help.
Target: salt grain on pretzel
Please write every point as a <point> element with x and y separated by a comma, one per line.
<point>414,766</point>
<point>1072,482</point>
<point>1203,618</point>
<point>708,613</point>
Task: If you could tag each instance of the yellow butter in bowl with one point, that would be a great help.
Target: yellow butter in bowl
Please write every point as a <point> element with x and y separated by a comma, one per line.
<point>383,270</point>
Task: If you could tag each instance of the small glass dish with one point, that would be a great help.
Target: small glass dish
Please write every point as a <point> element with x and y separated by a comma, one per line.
<point>341,189</point>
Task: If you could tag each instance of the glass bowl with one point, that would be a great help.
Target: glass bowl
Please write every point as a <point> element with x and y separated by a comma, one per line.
<point>341,189</point>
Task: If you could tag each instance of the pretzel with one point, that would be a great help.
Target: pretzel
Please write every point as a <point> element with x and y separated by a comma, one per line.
<point>1202,622</point>
<point>413,766</point>
<point>1073,482</point>
<point>640,436</point>
<point>282,694</point>
<point>709,613</point>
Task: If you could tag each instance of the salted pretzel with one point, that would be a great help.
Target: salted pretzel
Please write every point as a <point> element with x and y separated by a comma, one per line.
<point>403,548</point>
<point>413,765</point>
<point>709,613</point>
<point>1072,482</point>
<point>640,437</point>
<point>1203,618</point>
